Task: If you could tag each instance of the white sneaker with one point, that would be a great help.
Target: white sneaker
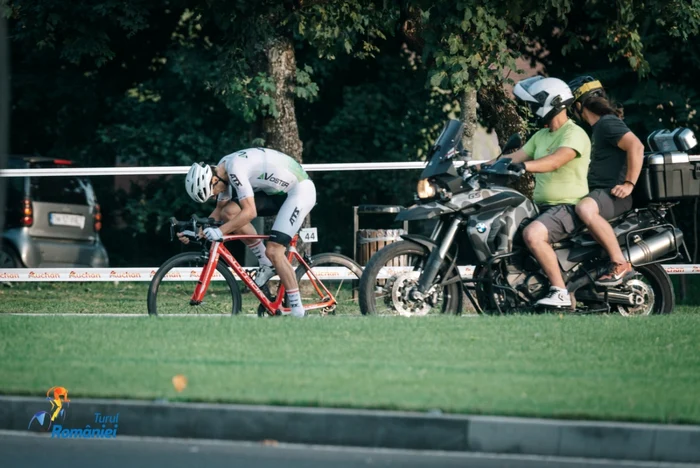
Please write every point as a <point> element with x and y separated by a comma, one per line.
<point>264,274</point>
<point>557,298</point>
<point>298,314</point>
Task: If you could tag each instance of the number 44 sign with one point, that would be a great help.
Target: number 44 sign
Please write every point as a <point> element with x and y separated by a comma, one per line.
<point>308,235</point>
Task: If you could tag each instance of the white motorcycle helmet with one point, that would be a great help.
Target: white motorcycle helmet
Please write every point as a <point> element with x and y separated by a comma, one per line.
<point>198,182</point>
<point>545,96</point>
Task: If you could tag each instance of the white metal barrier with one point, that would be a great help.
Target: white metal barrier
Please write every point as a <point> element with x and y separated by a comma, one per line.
<point>167,170</point>
<point>39,275</point>
<point>145,274</point>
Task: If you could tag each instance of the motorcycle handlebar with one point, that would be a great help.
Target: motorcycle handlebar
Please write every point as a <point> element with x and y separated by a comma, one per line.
<point>500,168</point>
<point>516,173</point>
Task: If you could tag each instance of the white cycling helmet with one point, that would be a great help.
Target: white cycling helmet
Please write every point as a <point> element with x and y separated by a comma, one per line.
<point>545,96</point>
<point>198,182</point>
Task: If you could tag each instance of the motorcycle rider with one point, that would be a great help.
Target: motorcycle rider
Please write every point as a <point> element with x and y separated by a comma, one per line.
<point>558,155</point>
<point>265,182</point>
<point>616,161</point>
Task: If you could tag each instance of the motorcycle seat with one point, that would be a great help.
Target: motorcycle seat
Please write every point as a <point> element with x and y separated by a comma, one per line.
<point>621,225</point>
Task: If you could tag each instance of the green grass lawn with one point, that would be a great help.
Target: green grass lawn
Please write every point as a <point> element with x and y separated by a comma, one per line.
<point>598,367</point>
<point>88,298</point>
<point>130,297</point>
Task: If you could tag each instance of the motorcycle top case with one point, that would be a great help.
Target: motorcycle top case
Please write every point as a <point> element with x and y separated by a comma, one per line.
<point>668,176</point>
<point>679,139</point>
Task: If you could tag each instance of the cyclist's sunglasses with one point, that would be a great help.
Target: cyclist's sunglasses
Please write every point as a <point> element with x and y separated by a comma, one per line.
<point>218,179</point>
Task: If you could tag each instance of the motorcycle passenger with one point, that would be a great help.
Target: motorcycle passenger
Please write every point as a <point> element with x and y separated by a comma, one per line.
<point>616,161</point>
<point>257,182</point>
<point>558,155</point>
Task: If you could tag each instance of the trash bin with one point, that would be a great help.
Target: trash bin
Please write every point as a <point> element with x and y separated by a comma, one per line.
<point>368,241</point>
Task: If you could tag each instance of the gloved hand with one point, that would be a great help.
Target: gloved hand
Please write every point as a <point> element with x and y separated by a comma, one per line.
<point>517,167</point>
<point>213,234</point>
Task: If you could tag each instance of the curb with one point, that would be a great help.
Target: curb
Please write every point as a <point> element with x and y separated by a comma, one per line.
<point>366,428</point>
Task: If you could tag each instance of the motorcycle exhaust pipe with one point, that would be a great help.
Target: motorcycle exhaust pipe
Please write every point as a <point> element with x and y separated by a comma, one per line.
<point>655,247</point>
<point>612,297</point>
<point>644,251</point>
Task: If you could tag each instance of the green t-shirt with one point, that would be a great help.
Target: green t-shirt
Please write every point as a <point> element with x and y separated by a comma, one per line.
<point>569,183</point>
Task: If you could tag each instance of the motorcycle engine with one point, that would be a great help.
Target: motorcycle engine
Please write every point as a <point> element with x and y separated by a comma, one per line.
<point>528,281</point>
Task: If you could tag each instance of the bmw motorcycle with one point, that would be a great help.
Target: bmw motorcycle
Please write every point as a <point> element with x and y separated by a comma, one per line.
<point>478,220</point>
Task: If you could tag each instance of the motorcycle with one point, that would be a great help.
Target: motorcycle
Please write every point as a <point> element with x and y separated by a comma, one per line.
<point>479,220</point>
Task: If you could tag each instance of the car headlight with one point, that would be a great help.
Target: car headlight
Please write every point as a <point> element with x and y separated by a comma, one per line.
<point>426,189</point>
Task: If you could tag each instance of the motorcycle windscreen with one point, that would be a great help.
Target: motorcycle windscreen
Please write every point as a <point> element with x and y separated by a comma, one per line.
<point>443,150</point>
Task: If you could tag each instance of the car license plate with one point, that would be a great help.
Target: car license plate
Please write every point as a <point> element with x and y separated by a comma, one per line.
<point>62,219</point>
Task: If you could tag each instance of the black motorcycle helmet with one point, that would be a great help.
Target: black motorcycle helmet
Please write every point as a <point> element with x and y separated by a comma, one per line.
<point>584,87</point>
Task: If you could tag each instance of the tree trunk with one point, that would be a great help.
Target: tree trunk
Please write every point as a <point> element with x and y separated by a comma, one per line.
<point>282,132</point>
<point>467,106</point>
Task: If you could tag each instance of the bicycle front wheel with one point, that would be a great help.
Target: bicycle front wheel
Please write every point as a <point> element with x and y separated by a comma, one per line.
<point>341,276</point>
<point>172,287</point>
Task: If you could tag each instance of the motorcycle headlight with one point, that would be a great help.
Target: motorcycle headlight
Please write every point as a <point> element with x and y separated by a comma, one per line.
<point>426,189</point>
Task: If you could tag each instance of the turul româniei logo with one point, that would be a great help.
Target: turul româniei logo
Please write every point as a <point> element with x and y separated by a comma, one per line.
<point>103,426</point>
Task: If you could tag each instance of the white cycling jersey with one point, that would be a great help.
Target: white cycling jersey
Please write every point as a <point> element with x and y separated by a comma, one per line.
<point>273,173</point>
<point>260,170</point>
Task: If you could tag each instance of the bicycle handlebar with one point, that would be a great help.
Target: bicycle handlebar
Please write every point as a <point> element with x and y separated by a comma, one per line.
<point>191,228</point>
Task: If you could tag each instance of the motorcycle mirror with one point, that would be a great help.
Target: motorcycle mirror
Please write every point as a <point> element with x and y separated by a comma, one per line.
<point>514,142</point>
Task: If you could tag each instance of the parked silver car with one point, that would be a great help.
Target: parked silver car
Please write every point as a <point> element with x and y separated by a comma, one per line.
<point>50,221</point>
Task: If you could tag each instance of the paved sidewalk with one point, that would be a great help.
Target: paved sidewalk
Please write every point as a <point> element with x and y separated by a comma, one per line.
<point>378,429</point>
<point>30,450</point>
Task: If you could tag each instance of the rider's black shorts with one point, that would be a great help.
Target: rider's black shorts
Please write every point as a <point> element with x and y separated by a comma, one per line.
<point>609,206</point>
<point>267,205</point>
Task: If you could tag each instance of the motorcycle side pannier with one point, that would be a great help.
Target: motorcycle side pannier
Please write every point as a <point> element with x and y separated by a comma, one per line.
<point>668,176</point>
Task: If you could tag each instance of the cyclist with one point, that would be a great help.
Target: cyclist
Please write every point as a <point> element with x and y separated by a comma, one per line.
<point>616,161</point>
<point>558,155</point>
<point>257,182</point>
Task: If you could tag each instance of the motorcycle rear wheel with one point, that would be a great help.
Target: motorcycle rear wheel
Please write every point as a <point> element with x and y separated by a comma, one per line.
<point>654,284</point>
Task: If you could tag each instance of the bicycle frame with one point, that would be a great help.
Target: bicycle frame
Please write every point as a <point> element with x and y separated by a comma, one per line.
<point>218,250</point>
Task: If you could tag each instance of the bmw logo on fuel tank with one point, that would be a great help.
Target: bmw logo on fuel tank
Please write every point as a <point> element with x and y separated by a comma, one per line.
<point>481,228</point>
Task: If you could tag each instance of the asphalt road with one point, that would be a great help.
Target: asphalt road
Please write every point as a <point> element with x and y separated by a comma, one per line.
<point>29,450</point>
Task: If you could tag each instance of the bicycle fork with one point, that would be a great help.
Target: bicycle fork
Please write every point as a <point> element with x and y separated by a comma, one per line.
<point>205,277</point>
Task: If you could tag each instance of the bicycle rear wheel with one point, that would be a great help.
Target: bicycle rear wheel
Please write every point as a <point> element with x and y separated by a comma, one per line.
<point>173,285</point>
<point>341,276</point>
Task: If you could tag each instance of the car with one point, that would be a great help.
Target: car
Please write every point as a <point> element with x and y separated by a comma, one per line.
<point>51,222</point>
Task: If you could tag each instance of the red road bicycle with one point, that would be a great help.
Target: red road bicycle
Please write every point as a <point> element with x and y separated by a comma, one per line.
<point>204,281</point>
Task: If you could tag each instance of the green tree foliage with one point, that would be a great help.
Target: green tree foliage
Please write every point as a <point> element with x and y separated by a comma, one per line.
<point>166,82</point>
<point>69,60</point>
<point>645,54</point>
<point>466,45</point>
<point>383,113</point>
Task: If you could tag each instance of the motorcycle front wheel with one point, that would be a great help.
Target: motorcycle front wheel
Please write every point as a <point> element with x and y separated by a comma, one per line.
<point>391,275</point>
